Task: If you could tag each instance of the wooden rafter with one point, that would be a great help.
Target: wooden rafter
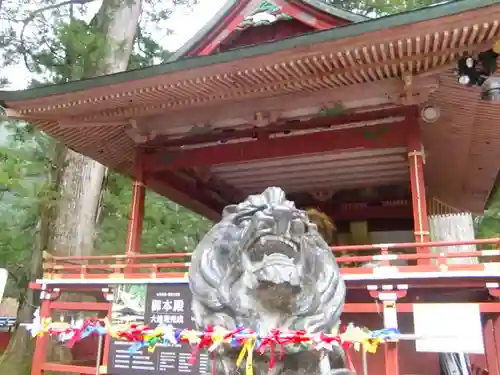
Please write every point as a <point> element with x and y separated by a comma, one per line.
<point>158,123</point>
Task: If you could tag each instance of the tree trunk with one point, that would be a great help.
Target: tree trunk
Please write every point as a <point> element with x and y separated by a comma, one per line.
<point>453,227</point>
<point>80,191</point>
<point>70,231</point>
<point>82,179</point>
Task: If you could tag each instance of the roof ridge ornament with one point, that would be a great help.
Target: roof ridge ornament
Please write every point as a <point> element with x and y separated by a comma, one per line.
<point>266,13</point>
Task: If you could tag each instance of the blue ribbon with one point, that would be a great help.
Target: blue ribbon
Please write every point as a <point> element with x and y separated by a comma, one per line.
<point>385,334</point>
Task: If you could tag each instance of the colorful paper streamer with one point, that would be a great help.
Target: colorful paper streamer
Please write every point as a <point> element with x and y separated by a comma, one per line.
<point>248,341</point>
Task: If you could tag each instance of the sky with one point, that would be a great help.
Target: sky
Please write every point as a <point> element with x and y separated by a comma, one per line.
<point>184,23</point>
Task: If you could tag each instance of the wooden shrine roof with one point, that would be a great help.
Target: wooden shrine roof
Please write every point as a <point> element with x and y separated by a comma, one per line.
<point>225,20</point>
<point>358,65</point>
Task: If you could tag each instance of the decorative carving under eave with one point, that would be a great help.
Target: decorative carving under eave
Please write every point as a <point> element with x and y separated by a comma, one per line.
<point>413,93</point>
<point>265,118</point>
<point>331,109</point>
<point>139,135</point>
<point>200,128</point>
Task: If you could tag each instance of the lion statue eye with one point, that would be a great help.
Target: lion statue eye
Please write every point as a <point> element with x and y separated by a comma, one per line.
<point>224,251</point>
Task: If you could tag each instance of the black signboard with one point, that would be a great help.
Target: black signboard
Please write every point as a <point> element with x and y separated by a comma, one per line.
<point>164,304</point>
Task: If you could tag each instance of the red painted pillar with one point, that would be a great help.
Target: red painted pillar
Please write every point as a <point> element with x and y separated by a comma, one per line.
<point>107,338</point>
<point>419,202</point>
<point>491,336</point>
<point>391,354</point>
<point>391,349</point>
<point>136,218</point>
<point>40,354</point>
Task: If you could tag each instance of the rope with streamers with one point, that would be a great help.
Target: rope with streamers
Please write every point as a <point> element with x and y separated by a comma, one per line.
<point>248,341</point>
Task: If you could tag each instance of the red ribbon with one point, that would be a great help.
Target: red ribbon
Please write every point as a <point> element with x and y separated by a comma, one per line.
<point>135,333</point>
<point>330,339</point>
<point>78,334</point>
<point>350,365</point>
<point>205,341</point>
<point>271,341</point>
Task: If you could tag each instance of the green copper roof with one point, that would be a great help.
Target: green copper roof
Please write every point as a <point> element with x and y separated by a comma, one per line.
<point>267,48</point>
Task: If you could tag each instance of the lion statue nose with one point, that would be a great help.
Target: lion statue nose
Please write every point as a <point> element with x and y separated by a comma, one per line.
<point>282,218</point>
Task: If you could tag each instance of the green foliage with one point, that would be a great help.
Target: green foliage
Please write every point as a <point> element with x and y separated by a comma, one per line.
<point>59,43</point>
<point>489,223</point>
<point>25,186</point>
<point>168,227</point>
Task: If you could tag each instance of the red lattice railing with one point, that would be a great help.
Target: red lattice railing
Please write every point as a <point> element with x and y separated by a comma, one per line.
<point>175,265</point>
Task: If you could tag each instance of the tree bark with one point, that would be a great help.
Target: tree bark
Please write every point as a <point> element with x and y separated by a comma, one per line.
<point>70,229</point>
<point>453,227</point>
<point>82,179</point>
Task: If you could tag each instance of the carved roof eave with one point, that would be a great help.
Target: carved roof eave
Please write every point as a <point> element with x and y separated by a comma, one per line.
<point>228,6</point>
<point>200,34</point>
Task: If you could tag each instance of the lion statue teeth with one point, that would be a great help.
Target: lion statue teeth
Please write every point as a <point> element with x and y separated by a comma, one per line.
<point>264,266</point>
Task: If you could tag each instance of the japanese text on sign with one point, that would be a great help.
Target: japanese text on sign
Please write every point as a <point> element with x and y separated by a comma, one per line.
<point>167,306</point>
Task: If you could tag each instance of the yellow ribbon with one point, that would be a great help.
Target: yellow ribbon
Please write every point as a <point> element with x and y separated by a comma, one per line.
<point>191,336</point>
<point>249,366</point>
<point>247,349</point>
<point>217,338</point>
<point>46,322</point>
<point>241,356</point>
<point>371,345</point>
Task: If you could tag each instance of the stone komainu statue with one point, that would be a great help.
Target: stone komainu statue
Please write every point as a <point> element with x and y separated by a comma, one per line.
<point>265,266</point>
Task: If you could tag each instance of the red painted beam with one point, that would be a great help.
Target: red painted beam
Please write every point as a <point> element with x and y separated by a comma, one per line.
<point>292,125</point>
<point>373,137</point>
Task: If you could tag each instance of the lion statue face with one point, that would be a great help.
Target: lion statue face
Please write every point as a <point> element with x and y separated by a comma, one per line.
<point>265,266</point>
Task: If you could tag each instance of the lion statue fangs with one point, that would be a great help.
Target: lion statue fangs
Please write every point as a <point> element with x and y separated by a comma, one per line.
<point>265,266</point>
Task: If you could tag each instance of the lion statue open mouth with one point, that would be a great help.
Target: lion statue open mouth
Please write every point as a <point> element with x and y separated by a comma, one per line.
<point>265,266</point>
